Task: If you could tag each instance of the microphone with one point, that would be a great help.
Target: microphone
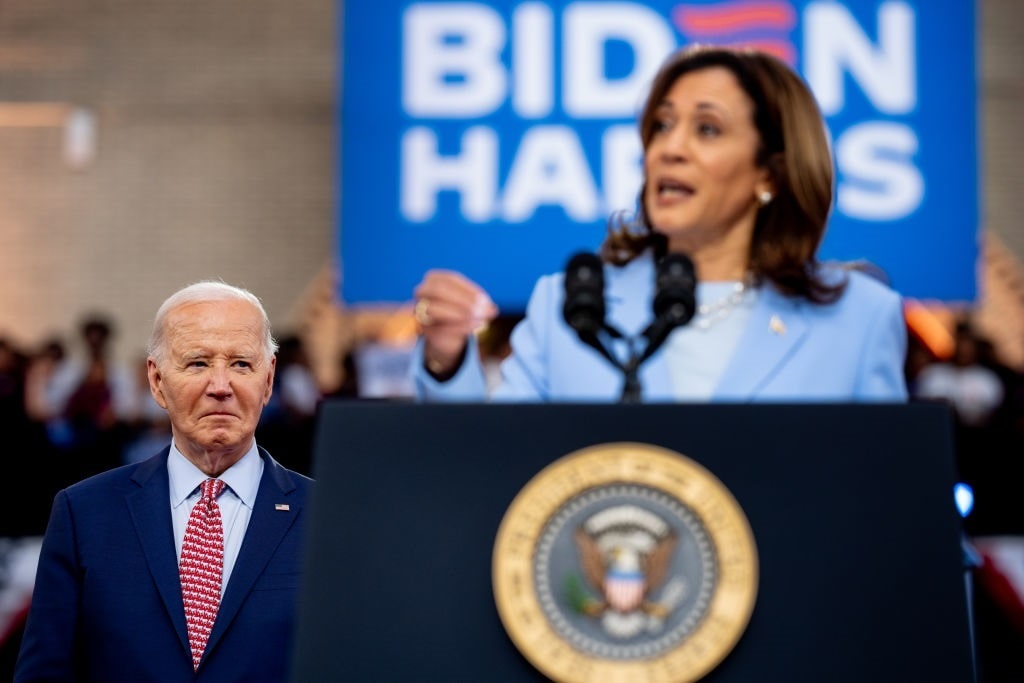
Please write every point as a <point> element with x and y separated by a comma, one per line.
<point>584,294</point>
<point>584,307</point>
<point>675,296</point>
<point>584,310</point>
<point>675,299</point>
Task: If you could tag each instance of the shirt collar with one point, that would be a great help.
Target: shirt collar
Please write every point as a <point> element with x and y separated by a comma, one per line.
<point>243,478</point>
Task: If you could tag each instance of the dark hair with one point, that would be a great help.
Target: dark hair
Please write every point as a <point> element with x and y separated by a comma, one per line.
<point>96,324</point>
<point>794,148</point>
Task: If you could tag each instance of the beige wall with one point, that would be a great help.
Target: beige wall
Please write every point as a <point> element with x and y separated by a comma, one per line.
<point>214,157</point>
<point>215,154</point>
<point>1001,91</point>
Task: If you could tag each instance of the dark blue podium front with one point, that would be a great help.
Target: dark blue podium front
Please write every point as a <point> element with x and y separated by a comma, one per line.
<point>861,575</point>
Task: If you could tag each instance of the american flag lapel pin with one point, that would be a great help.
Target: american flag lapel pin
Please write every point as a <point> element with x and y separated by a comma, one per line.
<point>776,325</point>
<point>282,507</point>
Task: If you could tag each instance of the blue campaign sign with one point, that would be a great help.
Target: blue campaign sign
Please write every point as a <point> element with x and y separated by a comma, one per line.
<point>496,138</point>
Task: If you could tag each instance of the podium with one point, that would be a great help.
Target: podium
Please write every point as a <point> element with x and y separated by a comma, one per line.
<point>860,577</point>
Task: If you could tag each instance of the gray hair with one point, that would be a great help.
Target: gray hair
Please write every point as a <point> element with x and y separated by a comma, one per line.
<point>205,291</point>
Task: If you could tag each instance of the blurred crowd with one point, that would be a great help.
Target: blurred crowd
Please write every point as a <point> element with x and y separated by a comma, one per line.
<point>75,410</point>
<point>986,399</point>
<point>71,409</point>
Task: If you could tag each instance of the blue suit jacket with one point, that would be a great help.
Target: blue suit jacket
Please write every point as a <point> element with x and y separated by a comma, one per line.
<point>791,350</point>
<point>107,603</point>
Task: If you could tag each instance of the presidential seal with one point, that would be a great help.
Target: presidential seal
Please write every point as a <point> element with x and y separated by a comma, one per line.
<point>624,562</point>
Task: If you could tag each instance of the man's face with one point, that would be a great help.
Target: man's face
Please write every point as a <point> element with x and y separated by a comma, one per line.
<point>215,379</point>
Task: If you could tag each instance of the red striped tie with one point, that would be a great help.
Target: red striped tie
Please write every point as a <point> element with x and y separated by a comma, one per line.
<point>201,567</point>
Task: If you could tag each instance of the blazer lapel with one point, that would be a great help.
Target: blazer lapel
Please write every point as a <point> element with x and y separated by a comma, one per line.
<point>629,293</point>
<point>267,527</point>
<point>151,515</point>
<point>777,326</point>
<point>629,296</point>
<point>630,305</point>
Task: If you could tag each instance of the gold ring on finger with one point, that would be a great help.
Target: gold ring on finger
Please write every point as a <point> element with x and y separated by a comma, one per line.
<point>422,312</point>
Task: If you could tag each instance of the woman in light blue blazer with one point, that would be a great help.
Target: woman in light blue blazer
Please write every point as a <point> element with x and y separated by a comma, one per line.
<point>738,180</point>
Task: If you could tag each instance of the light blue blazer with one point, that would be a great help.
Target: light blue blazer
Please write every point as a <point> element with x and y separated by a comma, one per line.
<point>852,350</point>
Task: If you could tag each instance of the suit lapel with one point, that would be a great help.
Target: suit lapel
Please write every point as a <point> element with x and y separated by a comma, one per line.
<point>777,326</point>
<point>151,515</point>
<point>267,526</point>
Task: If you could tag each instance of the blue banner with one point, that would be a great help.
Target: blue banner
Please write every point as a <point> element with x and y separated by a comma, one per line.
<point>496,138</point>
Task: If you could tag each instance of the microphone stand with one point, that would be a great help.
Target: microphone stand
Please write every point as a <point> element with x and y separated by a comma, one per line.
<point>655,334</point>
<point>631,391</point>
<point>631,380</point>
<point>584,311</point>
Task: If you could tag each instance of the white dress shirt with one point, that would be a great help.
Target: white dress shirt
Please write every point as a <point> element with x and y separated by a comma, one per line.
<point>236,501</point>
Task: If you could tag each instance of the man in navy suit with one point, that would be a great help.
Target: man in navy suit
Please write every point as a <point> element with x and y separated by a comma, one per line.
<point>107,604</point>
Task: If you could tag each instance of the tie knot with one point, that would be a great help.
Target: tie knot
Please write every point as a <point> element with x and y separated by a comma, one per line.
<point>210,489</point>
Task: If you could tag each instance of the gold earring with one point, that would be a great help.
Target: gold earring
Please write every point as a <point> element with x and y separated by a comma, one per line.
<point>765,196</point>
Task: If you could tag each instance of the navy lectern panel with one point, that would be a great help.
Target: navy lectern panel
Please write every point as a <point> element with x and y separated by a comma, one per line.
<point>851,507</point>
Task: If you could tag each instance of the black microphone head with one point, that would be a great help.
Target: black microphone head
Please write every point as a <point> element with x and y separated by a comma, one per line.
<point>584,293</point>
<point>675,298</point>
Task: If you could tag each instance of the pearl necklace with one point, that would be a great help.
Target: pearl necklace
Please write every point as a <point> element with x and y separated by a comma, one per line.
<point>709,314</point>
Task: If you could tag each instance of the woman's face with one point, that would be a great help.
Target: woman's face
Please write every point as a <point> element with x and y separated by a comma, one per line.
<point>702,179</point>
